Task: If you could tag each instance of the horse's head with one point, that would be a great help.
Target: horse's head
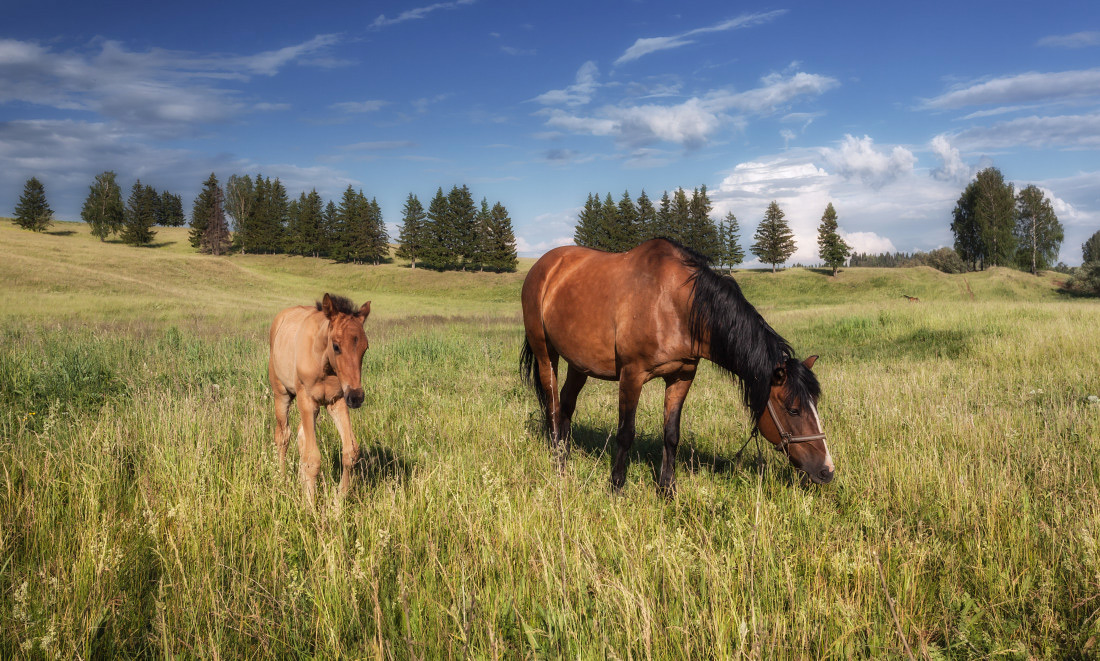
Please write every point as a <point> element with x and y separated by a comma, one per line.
<point>347,342</point>
<point>790,421</point>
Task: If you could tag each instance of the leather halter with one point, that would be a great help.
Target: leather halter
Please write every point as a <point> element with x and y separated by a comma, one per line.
<point>786,437</point>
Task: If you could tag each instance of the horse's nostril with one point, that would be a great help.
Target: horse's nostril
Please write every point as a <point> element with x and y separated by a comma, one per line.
<point>826,475</point>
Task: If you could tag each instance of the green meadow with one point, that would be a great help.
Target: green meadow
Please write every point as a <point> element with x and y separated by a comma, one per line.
<point>142,512</point>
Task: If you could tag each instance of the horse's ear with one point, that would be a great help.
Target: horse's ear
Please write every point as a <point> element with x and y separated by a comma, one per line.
<point>809,362</point>
<point>364,311</point>
<point>327,307</point>
<point>780,376</point>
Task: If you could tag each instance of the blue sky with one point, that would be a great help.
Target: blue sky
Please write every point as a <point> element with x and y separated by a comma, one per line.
<point>884,109</point>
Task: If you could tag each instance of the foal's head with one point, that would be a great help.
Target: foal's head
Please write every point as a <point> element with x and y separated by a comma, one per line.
<point>791,423</point>
<point>347,342</point>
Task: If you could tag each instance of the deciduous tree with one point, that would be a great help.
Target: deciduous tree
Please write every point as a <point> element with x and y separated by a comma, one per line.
<point>102,208</point>
<point>1038,233</point>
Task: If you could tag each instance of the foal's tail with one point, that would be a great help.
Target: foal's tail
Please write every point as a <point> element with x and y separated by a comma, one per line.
<point>529,369</point>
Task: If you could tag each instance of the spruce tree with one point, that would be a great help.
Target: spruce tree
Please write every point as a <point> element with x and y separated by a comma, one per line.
<point>102,208</point>
<point>500,240</point>
<point>170,210</point>
<point>140,215</point>
<point>774,239</point>
<point>679,216</point>
<point>435,252</point>
<point>329,225</point>
<point>378,239</point>
<point>311,224</point>
<point>1038,232</point>
<point>201,209</point>
<point>830,247</point>
<point>647,218</point>
<point>587,230</point>
<point>215,238</point>
<point>462,220</point>
<point>410,235</point>
<point>479,260</point>
<point>293,226</point>
<point>608,237</point>
<point>663,226</point>
<point>700,233</point>
<point>626,228</point>
<point>33,212</point>
<point>731,251</point>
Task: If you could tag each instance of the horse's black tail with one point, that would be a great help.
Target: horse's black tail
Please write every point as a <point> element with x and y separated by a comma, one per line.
<point>529,368</point>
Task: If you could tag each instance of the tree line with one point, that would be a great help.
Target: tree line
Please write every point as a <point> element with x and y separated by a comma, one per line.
<point>618,227</point>
<point>454,233</point>
<point>255,215</point>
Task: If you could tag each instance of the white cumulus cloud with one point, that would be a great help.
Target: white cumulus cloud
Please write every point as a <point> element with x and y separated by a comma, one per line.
<point>859,159</point>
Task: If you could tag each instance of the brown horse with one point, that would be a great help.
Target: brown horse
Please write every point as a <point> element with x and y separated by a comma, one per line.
<point>654,312</point>
<point>317,357</point>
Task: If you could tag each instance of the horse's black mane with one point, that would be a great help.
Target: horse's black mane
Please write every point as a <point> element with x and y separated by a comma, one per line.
<point>741,342</point>
<point>341,304</point>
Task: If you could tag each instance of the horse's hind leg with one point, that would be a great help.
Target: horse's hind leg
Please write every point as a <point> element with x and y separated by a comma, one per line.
<point>349,448</point>
<point>574,381</point>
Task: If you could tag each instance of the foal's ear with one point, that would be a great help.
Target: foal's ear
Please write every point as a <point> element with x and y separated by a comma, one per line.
<point>364,311</point>
<point>327,307</point>
<point>809,362</point>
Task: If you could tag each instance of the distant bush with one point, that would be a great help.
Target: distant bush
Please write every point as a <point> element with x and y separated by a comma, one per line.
<point>1085,279</point>
<point>944,259</point>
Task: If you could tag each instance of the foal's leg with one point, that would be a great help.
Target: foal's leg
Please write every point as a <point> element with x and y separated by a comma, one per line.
<point>282,428</point>
<point>574,381</point>
<point>309,455</point>
<point>350,449</point>
<point>630,388</point>
<point>676,389</point>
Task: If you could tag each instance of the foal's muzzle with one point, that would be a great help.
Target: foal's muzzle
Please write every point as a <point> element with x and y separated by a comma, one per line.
<point>354,398</point>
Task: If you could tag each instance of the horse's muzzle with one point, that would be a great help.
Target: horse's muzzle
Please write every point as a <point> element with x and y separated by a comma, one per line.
<point>823,476</point>
<point>354,398</point>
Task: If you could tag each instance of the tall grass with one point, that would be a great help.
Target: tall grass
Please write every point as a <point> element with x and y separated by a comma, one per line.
<point>142,511</point>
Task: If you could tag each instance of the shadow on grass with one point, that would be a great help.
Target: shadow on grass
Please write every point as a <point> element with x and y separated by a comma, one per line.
<point>61,232</point>
<point>377,464</point>
<point>648,448</point>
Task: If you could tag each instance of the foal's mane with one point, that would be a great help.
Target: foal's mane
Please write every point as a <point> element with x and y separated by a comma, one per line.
<point>341,304</point>
<point>740,341</point>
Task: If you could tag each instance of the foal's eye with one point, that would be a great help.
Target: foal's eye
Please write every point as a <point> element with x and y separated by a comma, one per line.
<point>336,348</point>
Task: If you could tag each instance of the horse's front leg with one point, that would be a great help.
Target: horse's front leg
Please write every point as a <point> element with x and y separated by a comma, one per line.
<point>676,390</point>
<point>630,389</point>
<point>349,455</point>
<point>309,455</point>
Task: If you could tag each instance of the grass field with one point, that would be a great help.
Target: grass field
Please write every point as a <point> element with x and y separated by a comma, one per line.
<point>142,513</point>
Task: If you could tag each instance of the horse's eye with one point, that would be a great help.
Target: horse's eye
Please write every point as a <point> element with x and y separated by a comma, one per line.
<point>336,348</point>
<point>794,412</point>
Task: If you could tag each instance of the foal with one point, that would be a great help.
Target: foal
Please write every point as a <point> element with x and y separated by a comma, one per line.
<point>317,357</point>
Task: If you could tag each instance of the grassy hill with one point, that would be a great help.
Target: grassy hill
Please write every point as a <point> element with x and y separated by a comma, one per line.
<point>68,269</point>
<point>142,512</point>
